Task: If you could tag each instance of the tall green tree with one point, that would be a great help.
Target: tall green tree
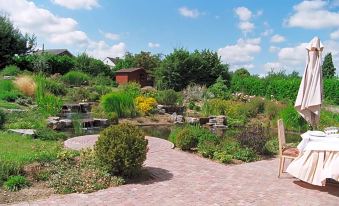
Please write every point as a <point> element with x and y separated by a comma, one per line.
<point>328,66</point>
<point>91,66</point>
<point>145,60</point>
<point>181,68</point>
<point>12,41</point>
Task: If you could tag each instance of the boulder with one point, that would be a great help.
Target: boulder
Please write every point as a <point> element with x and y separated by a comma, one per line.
<point>192,120</point>
<point>29,132</point>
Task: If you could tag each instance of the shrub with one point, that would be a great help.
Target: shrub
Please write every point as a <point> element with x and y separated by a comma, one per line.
<point>168,97</point>
<point>253,138</point>
<point>15,183</point>
<point>271,147</point>
<point>76,78</point>
<point>8,168</point>
<point>87,175</point>
<point>10,70</point>
<point>292,119</point>
<point>122,148</point>
<point>48,104</point>
<point>149,92</point>
<point>98,112</point>
<point>186,140</point>
<point>26,85</point>
<point>119,102</point>
<point>24,101</point>
<point>254,107</point>
<point>219,89</point>
<point>331,87</point>
<point>194,92</point>
<point>49,134</point>
<point>91,66</point>
<point>2,118</point>
<point>133,89</point>
<point>272,109</point>
<point>8,92</point>
<point>31,119</point>
<point>223,157</point>
<point>55,87</point>
<point>145,105</point>
<point>207,148</point>
<point>246,155</point>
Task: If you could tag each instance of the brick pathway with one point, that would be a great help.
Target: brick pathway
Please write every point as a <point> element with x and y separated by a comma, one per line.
<point>181,178</point>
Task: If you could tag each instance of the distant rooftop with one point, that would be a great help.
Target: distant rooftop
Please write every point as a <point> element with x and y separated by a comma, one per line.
<point>128,70</point>
<point>55,51</point>
<point>114,60</point>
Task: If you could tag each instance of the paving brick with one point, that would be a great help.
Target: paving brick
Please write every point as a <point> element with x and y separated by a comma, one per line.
<point>181,178</point>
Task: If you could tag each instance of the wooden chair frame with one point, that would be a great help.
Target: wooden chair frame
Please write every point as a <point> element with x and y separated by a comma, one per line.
<point>282,146</point>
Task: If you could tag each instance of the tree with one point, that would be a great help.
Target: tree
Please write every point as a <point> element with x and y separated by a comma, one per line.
<point>12,41</point>
<point>145,60</point>
<point>242,72</point>
<point>91,66</point>
<point>181,68</point>
<point>328,66</point>
<point>219,89</point>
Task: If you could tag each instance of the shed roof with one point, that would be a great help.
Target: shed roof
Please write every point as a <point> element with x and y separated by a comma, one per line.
<point>129,70</point>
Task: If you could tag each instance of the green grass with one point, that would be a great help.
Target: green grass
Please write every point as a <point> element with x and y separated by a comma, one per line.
<point>31,119</point>
<point>24,149</point>
<point>17,151</point>
<point>9,105</point>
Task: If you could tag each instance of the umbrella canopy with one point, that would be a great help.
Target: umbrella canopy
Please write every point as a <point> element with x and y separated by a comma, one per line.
<point>308,102</point>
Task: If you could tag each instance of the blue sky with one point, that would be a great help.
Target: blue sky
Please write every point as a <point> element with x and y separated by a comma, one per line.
<point>258,35</point>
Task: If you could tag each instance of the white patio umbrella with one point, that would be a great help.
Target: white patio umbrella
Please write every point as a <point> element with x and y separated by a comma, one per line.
<point>308,102</point>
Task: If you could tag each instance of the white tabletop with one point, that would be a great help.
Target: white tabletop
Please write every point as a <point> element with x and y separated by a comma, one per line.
<point>323,143</point>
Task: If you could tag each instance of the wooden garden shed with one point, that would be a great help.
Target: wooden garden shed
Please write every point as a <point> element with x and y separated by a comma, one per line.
<point>138,75</point>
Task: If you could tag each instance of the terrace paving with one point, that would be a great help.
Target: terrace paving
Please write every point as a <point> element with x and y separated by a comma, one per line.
<point>181,178</point>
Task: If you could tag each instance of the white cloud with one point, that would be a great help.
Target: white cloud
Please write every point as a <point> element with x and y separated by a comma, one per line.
<point>110,36</point>
<point>274,49</point>
<point>241,53</point>
<point>246,26</point>
<point>101,49</point>
<point>153,45</point>
<point>243,13</point>
<point>191,13</point>
<point>275,66</point>
<point>77,4</point>
<point>267,32</point>
<point>245,16</point>
<point>335,34</point>
<point>293,55</point>
<point>56,30</point>
<point>313,15</point>
<point>277,38</point>
<point>42,22</point>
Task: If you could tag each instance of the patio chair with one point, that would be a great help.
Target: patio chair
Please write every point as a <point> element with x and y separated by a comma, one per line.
<point>285,152</point>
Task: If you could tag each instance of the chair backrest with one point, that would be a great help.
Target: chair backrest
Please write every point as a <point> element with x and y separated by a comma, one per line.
<point>281,135</point>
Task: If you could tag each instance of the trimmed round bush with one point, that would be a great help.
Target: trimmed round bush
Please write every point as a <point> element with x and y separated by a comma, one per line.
<point>76,78</point>
<point>186,139</point>
<point>15,183</point>
<point>122,148</point>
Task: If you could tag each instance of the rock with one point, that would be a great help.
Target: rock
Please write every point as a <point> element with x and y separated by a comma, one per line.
<point>179,119</point>
<point>203,120</point>
<point>16,110</point>
<point>29,132</point>
<point>100,122</point>
<point>67,122</point>
<point>161,111</point>
<point>56,125</point>
<point>53,118</point>
<point>9,77</point>
<point>192,120</point>
<point>221,120</point>
<point>159,106</point>
<point>212,121</point>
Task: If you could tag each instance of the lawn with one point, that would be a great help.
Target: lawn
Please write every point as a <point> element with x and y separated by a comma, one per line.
<point>24,149</point>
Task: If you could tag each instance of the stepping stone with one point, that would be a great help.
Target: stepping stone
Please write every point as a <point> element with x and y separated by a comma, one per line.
<point>29,132</point>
